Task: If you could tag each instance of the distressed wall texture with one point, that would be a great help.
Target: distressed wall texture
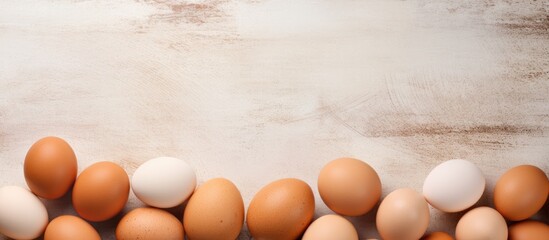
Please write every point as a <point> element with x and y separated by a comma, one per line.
<point>259,90</point>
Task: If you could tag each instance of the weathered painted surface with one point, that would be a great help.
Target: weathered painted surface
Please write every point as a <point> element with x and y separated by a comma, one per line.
<point>259,90</point>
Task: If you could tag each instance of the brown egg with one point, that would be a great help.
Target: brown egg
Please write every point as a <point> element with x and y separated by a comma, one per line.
<point>69,227</point>
<point>482,223</point>
<point>149,223</point>
<point>521,192</point>
<point>50,167</point>
<point>330,227</point>
<point>529,230</point>
<point>101,191</point>
<point>281,210</point>
<point>349,186</point>
<point>402,215</point>
<point>214,211</point>
<point>438,236</point>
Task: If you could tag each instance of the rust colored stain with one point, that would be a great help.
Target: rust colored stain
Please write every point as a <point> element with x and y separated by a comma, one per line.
<point>440,129</point>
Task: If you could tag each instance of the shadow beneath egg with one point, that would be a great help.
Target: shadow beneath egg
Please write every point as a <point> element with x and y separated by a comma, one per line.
<point>60,206</point>
<point>177,211</point>
<point>366,224</point>
<point>244,233</point>
<point>442,221</point>
<point>543,214</point>
<point>107,228</point>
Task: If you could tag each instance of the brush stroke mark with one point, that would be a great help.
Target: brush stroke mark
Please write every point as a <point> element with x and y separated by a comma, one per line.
<point>208,11</point>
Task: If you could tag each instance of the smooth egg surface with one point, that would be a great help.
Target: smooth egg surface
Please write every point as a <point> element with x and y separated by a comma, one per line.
<point>482,223</point>
<point>349,186</point>
<point>101,191</point>
<point>331,227</point>
<point>281,210</point>
<point>402,215</point>
<point>164,182</point>
<point>69,227</point>
<point>454,185</point>
<point>529,230</point>
<point>521,192</point>
<point>50,167</point>
<point>22,214</point>
<point>214,211</point>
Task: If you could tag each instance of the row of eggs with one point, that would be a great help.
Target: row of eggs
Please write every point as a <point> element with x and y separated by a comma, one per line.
<point>283,209</point>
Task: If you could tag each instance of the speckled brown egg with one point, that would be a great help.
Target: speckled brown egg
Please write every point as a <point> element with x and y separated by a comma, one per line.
<point>69,227</point>
<point>281,210</point>
<point>349,186</point>
<point>437,236</point>
<point>529,230</point>
<point>50,167</point>
<point>149,224</point>
<point>521,192</point>
<point>101,191</point>
<point>214,211</point>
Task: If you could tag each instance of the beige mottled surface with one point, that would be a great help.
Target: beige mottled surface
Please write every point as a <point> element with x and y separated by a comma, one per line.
<point>259,90</point>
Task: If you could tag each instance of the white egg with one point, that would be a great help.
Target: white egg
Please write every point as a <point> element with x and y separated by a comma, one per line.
<point>22,214</point>
<point>454,185</point>
<point>164,182</point>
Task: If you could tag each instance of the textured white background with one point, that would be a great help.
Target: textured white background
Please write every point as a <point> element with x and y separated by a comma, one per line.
<point>254,91</point>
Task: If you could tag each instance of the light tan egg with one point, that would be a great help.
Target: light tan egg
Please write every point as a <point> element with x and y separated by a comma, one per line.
<point>69,227</point>
<point>281,210</point>
<point>149,224</point>
<point>402,215</point>
<point>482,223</point>
<point>214,211</point>
<point>331,227</point>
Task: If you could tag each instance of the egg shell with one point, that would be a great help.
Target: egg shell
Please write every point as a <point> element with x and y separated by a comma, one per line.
<point>101,191</point>
<point>281,210</point>
<point>521,192</point>
<point>402,215</point>
<point>454,185</point>
<point>149,223</point>
<point>482,223</point>
<point>214,211</point>
<point>69,227</point>
<point>22,214</point>
<point>529,230</point>
<point>349,186</point>
<point>437,236</point>
<point>331,227</point>
<point>50,167</point>
<point>164,182</point>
